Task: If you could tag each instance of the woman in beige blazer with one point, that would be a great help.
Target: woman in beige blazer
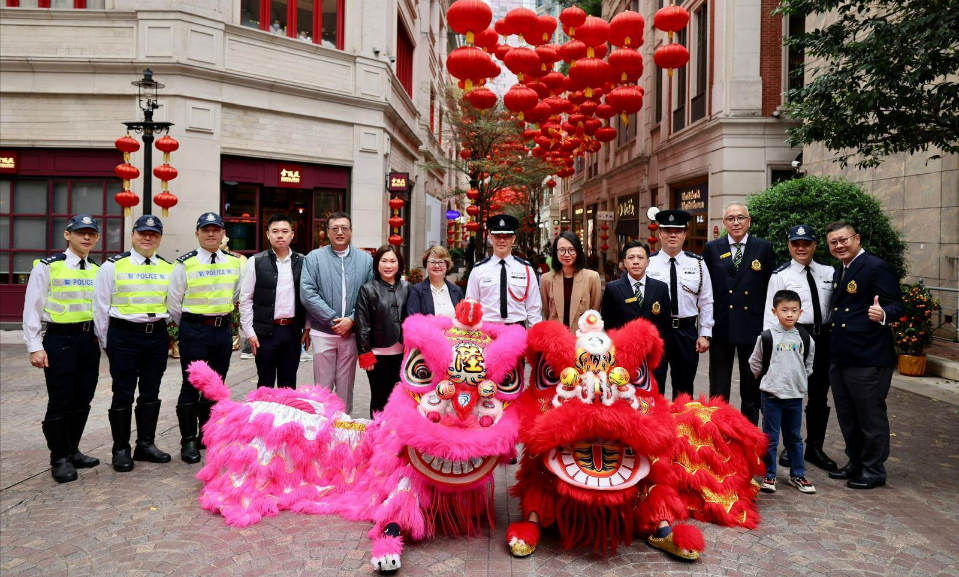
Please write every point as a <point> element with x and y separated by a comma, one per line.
<point>570,289</point>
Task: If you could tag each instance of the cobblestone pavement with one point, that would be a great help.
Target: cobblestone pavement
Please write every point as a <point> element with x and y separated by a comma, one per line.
<point>148,522</point>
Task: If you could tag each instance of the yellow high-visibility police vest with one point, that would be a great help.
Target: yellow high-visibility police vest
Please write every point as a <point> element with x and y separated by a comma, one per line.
<point>141,288</point>
<point>209,287</point>
<point>70,294</point>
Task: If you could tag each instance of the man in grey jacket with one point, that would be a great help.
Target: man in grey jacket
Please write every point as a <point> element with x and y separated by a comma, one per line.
<point>331,280</point>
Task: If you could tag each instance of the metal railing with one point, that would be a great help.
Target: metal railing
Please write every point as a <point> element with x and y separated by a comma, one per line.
<point>947,323</point>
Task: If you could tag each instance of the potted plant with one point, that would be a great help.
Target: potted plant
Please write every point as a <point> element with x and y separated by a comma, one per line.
<point>912,332</point>
<point>235,326</point>
<point>174,332</point>
<point>415,276</point>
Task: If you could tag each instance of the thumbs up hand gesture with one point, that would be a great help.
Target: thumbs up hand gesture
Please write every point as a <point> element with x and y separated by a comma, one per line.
<point>876,314</point>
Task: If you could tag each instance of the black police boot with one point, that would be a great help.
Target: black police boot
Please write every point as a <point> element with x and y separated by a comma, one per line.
<point>58,441</point>
<point>147,415</point>
<point>78,422</point>
<point>120,427</point>
<point>204,417</point>
<point>783,458</point>
<point>186,415</point>
<point>815,437</point>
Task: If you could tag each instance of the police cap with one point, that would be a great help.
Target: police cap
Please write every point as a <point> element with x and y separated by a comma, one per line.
<point>209,218</point>
<point>82,221</point>
<point>802,232</point>
<point>148,222</point>
<point>673,218</point>
<point>502,224</point>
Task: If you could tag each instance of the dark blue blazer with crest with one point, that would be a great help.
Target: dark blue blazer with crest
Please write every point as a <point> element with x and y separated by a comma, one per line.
<point>617,312</point>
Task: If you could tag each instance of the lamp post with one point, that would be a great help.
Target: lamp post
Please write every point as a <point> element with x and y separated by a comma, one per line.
<point>147,94</point>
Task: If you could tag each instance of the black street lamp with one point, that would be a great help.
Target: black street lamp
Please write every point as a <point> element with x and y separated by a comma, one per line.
<point>147,95</point>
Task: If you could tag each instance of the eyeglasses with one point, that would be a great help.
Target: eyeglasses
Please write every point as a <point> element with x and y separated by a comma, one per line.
<point>841,241</point>
<point>335,229</point>
<point>566,251</point>
<point>436,262</point>
<point>736,219</point>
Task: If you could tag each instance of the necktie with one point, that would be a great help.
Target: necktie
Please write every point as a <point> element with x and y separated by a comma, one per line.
<point>814,292</point>
<point>83,264</point>
<point>502,289</point>
<point>738,257</point>
<point>673,285</point>
<point>213,258</point>
<point>638,293</point>
<point>146,261</point>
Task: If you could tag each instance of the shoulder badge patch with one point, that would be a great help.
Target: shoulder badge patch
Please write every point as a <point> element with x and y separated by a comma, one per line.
<point>187,256</point>
<point>692,254</point>
<point>781,267</point>
<point>117,257</point>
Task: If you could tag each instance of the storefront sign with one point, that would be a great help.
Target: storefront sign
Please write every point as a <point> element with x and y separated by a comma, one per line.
<point>578,211</point>
<point>291,176</point>
<point>627,207</point>
<point>605,215</point>
<point>692,199</point>
<point>8,162</point>
<point>398,182</point>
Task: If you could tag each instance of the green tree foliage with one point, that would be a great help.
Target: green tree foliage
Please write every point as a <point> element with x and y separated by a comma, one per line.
<point>590,7</point>
<point>818,202</point>
<point>883,77</point>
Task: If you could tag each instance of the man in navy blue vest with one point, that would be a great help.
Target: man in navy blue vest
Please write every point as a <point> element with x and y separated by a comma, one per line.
<point>636,295</point>
<point>866,297</point>
<point>739,267</point>
<point>271,315</point>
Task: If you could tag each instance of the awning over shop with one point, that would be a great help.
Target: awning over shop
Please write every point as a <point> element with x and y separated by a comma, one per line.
<point>628,227</point>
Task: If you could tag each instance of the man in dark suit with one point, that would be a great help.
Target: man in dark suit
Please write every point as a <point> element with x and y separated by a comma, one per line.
<point>636,295</point>
<point>866,296</point>
<point>739,267</point>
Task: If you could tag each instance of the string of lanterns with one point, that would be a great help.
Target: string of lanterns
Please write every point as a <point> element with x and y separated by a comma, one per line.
<point>127,173</point>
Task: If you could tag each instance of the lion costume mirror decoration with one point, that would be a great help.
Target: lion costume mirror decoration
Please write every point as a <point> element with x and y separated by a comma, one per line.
<point>606,457</point>
<point>422,466</point>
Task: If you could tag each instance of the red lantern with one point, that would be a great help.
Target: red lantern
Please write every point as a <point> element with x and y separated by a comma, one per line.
<point>469,17</point>
<point>166,145</point>
<point>522,61</point>
<point>165,172</point>
<point>482,99</point>
<point>546,27</point>
<point>395,240</point>
<point>396,203</point>
<point>627,65</point>
<point>395,222</point>
<point>590,73</point>
<point>604,228</point>
<point>472,194</point>
<point>466,154</point>
<point>572,51</point>
<point>551,183</point>
<point>165,200</point>
<point>127,144</point>
<point>522,21</point>
<point>671,56</point>
<point>604,247</point>
<point>519,99</point>
<point>572,18</point>
<point>604,236</point>
<point>488,40</point>
<point>671,19</point>
<point>127,199</point>
<point>472,226</point>
<point>469,64</point>
<point>626,29</point>
<point>473,210</point>
<point>625,100</point>
<point>126,171</point>
<point>593,32</point>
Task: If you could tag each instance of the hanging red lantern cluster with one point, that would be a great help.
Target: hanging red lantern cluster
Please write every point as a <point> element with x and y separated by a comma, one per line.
<point>127,172</point>
<point>653,227</point>
<point>670,19</point>
<point>166,199</point>
<point>396,221</point>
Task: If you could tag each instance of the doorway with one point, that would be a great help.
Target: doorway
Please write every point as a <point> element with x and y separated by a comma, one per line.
<point>295,203</point>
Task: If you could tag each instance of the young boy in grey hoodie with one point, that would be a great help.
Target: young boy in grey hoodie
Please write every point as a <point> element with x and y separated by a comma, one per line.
<point>784,376</point>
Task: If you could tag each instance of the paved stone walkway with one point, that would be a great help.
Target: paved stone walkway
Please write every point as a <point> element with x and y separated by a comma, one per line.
<point>148,522</point>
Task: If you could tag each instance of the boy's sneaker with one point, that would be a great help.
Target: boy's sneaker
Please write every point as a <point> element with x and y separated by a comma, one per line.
<point>802,484</point>
<point>247,356</point>
<point>768,485</point>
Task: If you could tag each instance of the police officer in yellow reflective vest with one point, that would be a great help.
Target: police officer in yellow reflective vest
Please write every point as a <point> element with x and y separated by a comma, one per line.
<point>205,287</point>
<point>60,292</point>
<point>129,296</point>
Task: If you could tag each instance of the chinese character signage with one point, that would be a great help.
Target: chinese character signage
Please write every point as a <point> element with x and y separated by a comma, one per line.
<point>398,182</point>
<point>291,176</point>
<point>8,162</point>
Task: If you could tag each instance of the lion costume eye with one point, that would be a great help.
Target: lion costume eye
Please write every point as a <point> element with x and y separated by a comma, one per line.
<point>643,381</point>
<point>544,376</point>
<point>512,383</point>
<point>417,373</point>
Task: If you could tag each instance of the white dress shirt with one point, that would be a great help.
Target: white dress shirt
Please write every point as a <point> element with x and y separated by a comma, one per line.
<point>793,278</point>
<point>174,298</point>
<point>483,285</point>
<point>285,305</point>
<point>104,287</point>
<point>38,287</point>
<point>694,289</point>
<point>442,302</point>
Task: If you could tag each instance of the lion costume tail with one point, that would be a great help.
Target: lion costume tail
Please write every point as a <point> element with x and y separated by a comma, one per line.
<point>208,381</point>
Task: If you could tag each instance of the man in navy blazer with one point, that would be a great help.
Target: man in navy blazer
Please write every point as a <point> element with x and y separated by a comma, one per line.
<point>866,297</point>
<point>739,268</point>
<point>623,302</point>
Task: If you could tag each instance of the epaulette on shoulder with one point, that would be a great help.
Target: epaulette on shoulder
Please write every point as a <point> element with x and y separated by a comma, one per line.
<point>91,261</point>
<point>187,256</point>
<point>692,254</point>
<point>53,258</point>
<point>654,253</point>
<point>781,267</point>
<point>120,256</point>
<point>484,261</point>
<point>522,261</point>
<point>161,258</point>
<point>233,254</point>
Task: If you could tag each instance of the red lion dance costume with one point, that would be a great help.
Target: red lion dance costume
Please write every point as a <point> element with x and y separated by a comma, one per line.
<point>606,456</point>
<point>424,465</point>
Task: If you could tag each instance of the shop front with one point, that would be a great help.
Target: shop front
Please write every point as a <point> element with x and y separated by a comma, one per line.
<point>252,190</point>
<point>40,189</point>
<point>694,199</point>
<point>627,219</point>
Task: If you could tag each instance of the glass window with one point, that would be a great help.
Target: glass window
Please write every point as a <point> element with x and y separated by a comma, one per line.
<point>304,20</point>
<point>30,197</point>
<point>96,4</point>
<point>4,236</point>
<point>29,232</point>
<point>278,17</point>
<point>59,225</point>
<point>331,21</point>
<point>250,13</point>
<point>61,195</point>
<point>87,198</point>
<point>239,200</point>
<point>4,196</point>
<point>29,4</point>
<point>112,241</point>
<point>113,189</point>
<point>242,235</point>
<point>23,264</point>
<point>326,202</point>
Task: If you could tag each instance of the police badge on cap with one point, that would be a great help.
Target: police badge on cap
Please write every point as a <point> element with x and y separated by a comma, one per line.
<point>502,224</point>
<point>208,219</point>
<point>148,222</point>
<point>672,218</point>
<point>802,232</point>
<point>82,221</point>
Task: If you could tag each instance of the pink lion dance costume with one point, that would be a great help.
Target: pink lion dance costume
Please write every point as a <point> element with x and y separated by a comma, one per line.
<point>423,465</point>
<point>606,456</point>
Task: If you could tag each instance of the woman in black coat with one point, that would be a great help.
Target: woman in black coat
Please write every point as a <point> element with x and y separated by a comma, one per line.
<point>435,295</point>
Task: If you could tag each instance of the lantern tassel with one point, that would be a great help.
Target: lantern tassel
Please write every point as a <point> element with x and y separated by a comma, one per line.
<point>166,212</point>
<point>127,211</point>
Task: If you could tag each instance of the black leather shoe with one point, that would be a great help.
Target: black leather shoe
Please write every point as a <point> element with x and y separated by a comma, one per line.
<point>783,459</point>
<point>147,415</point>
<point>850,471</point>
<point>865,482</point>
<point>817,457</point>
<point>78,422</point>
<point>150,453</point>
<point>58,441</point>
<point>120,429</point>
<point>122,461</point>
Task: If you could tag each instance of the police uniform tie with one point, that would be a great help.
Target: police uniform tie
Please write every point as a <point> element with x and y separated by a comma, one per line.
<point>673,286</point>
<point>814,292</point>
<point>147,262</point>
<point>738,257</point>
<point>638,292</point>
<point>83,264</point>
<point>502,289</point>
<point>213,258</point>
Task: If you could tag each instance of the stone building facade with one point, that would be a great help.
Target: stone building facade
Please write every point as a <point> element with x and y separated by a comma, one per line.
<point>339,92</point>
